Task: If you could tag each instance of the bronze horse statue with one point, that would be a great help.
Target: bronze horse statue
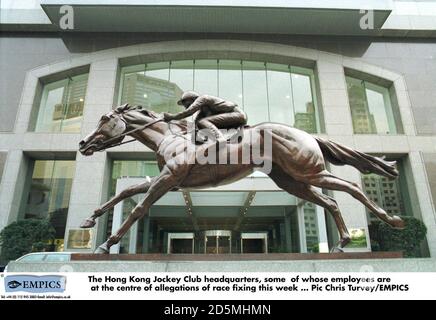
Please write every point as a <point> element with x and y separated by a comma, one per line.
<point>297,165</point>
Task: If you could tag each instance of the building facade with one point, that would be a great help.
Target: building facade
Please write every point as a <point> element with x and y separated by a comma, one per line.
<point>370,89</point>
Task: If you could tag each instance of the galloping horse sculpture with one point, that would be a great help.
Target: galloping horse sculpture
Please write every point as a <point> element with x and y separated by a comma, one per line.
<point>297,165</point>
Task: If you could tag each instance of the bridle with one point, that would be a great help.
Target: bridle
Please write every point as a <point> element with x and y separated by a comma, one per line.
<point>106,144</point>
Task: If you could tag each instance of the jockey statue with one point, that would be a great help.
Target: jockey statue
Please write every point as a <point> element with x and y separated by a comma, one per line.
<point>213,113</point>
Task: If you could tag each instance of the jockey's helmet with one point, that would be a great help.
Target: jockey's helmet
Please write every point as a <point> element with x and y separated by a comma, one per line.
<point>188,95</point>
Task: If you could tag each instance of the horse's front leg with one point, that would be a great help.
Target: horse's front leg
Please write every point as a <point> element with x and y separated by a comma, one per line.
<point>127,193</point>
<point>159,187</point>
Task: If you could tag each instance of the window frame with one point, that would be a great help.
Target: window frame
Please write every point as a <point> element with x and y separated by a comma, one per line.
<point>394,123</point>
<point>41,111</point>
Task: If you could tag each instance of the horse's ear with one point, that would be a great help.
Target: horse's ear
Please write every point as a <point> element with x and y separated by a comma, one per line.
<point>122,108</point>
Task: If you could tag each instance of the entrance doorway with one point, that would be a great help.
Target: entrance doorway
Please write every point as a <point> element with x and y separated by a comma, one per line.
<point>179,243</point>
<point>222,221</point>
<point>254,242</point>
<point>217,241</point>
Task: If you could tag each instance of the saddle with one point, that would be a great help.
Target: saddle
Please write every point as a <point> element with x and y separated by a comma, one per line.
<point>232,135</point>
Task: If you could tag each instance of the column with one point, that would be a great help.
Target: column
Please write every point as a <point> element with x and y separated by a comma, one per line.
<point>146,235</point>
<point>288,236</point>
<point>338,123</point>
<point>353,212</point>
<point>301,227</point>
<point>422,198</point>
<point>91,174</point>
<point>12,184</point>
<point>333,89</point>
<point>322,230</point>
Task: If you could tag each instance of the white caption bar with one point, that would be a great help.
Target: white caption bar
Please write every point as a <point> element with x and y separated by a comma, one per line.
<point>232,286</point>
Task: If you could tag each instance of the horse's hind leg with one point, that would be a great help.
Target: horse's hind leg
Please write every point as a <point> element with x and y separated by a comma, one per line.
<point>327,180</point>
<point>309,193</point>
<point>127,193</point>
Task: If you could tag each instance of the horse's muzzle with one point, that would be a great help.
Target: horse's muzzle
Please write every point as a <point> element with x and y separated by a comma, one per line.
<point>87,149</point>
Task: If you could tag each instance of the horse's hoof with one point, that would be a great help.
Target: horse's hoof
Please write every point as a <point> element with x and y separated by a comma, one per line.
<point>87,223</point>
<point>101,250</point>
<point>336,250</point>
<point>397,223</point>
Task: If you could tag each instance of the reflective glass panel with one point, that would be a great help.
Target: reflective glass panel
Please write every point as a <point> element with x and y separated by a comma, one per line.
<point>304,106</point>
<point>255,92</point>
<point>182,74</point>
<point>311,227</point>
<point>371,108</point>
<point>230,81</point>
<point>61,107</point>
<point>206,77</point>
<point>266,91</point>
<point>279,93</point>
<point>49,194</point>
<point>128,168</point>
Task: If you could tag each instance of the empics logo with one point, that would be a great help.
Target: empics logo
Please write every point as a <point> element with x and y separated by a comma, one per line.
<point>14,284</point>
<point>35,284</point>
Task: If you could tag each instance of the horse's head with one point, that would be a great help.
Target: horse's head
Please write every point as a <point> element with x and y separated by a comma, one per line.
<point>110,126</point>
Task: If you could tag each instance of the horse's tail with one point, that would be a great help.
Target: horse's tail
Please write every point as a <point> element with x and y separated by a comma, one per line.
<point>340,155</point>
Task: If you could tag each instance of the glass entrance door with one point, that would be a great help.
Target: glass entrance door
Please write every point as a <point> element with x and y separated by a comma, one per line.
<point>217,241</point>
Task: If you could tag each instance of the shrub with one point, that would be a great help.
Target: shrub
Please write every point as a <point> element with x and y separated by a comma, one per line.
<point>407,240</point>
<point>25,236</point>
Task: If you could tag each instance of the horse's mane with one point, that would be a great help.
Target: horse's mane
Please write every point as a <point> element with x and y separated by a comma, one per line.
<point>125,108</point>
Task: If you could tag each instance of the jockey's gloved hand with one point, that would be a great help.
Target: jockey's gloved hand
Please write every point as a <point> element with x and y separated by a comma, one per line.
<point>168,116</point>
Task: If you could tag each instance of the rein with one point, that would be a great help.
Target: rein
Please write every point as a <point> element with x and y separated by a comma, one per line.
<point>106,144</point>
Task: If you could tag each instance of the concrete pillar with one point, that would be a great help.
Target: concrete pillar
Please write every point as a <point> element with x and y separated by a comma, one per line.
<point>117,220</point>
<point>339,127</point>
<point>288,236</point>
<point>422,199</point>
<point>301,228</point>
<point>322,230</point>
<point>91,174</point>
<point>353,212</point>
<point>146,235</point>
<point>11,187</point>
<point>333,89</point>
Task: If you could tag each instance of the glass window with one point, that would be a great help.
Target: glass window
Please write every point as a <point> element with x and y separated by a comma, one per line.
<point>149,86</point>
<point>230,80</point>
<point>61,107</point>
<point>255,92</point>
<point>128,168</point>
<point>57,258</point>
<point>279,92</point>
<point>49,194</point>
<point>266,91</point>
<point>371,107</point>
<point>182,74</point>
<point>311,229</point>
<point>36,257</point>
<point>134,168</point>
<point>206,77</point>
<point>304,104</point>
<point>386,193</point>
<point>394,197</point>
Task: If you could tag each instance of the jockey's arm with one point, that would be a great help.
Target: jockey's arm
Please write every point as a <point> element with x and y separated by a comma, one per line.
<point>193,108</point>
